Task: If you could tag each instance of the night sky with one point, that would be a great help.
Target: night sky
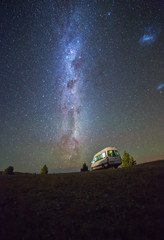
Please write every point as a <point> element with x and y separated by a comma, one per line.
<point>77,76</point>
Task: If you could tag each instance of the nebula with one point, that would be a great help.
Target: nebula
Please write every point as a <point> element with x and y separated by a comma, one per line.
<point>150,35</point>
<point>160,86</point>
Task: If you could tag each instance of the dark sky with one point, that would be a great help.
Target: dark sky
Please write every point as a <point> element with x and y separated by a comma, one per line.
<point>77,76</point>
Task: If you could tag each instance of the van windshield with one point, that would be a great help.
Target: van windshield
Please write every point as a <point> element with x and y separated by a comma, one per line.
<point>113,153</point>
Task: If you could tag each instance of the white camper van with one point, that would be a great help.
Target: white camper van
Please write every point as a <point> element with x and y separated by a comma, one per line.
<point>108,157</point>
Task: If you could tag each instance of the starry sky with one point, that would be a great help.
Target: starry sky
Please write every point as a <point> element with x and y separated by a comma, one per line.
<point>77,76</point>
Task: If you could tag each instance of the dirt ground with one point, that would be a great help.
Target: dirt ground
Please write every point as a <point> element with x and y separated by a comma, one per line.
<point>114,204</point>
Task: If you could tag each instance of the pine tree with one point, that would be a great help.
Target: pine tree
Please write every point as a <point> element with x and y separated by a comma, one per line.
<point>84,168</point>
<point>44,170</point>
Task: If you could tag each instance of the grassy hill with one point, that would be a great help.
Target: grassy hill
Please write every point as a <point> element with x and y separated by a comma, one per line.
<point>108,204</point>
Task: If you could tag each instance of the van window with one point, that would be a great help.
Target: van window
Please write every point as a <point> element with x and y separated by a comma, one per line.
<point>110,153</point>
<point>113,153</point>
<point>96,158</point>
<point>103,155</point>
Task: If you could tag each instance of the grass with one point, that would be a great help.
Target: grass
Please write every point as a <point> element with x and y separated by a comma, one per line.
<point>108,204</point>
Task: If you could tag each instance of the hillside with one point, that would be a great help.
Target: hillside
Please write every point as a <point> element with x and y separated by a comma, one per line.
<point>108,204</point>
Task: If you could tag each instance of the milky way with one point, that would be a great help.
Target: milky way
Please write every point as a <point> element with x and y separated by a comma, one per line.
<point>71,82</point>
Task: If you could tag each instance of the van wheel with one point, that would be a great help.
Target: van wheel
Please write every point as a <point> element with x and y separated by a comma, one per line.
<point>116,167</point>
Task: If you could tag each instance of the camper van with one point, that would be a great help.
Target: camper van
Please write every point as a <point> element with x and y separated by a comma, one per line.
<point>108,157</point>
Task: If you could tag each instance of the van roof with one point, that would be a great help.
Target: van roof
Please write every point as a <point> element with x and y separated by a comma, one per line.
<point>104,150</point>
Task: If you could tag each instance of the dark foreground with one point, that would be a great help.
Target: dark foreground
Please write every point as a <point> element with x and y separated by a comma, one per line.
<point>109,204</point>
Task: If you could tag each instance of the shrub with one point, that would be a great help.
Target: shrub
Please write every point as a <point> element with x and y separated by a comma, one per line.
<point>44,170</point>
<point>127,161</point>
<point>84,168</point>
<point>9,170</point>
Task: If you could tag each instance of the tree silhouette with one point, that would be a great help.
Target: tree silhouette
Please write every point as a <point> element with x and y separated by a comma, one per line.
<point>84,168</point>
<point>9,170</point>
<point>44,170</point>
